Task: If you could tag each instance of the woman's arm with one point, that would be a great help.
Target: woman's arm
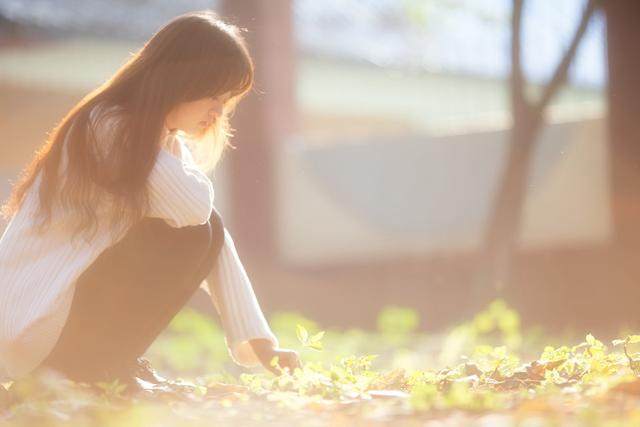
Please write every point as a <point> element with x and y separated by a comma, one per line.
<point>179,192</point>
<point>249,338</point>
<point>266,351</point>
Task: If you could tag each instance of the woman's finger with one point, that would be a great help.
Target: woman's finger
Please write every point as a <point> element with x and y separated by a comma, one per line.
<point>293,361</point>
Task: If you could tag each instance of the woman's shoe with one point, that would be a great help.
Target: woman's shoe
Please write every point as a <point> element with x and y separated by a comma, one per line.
<point>143,379</point>
<point>142,369</point>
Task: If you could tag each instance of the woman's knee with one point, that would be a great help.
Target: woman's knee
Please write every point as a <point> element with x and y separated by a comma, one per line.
<point>195,241</point>
<point>207,242</point>
<point>206,239</point>
<point>217,231</point>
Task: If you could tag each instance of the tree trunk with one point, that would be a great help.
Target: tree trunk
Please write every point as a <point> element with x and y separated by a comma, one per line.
<point>505,218</point>
<point>623,42</point>
<point>262,121</point>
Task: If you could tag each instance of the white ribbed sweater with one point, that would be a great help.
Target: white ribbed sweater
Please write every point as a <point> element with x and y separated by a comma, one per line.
<point>38,273</point>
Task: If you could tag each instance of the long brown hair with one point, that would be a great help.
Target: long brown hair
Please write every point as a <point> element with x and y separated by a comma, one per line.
<point>193,56</point>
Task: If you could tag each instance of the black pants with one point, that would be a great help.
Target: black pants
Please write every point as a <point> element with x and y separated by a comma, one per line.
<point>130,293</point>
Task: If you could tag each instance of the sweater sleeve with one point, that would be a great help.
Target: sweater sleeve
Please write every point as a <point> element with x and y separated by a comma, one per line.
<point>179,192</point>
<point>237,305</point>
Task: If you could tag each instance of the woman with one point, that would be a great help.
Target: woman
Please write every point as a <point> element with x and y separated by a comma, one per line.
<point>112,225</point>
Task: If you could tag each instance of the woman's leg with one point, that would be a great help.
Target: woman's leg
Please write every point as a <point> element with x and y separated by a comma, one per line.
<point>130,294</point>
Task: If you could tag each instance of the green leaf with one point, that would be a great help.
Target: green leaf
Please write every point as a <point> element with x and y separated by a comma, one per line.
<point>274,361</point>
<point>317,337</point>
<point>633,339</point>
<point>394,320</point>
<point>315,345</point>
<point>102,385</point>
<point>499,352</point>
<point>302,334</point>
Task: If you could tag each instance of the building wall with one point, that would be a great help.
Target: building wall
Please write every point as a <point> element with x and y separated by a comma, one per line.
<point>389,198</point>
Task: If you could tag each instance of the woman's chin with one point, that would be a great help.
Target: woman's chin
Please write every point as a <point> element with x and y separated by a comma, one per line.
<point>195,133</point>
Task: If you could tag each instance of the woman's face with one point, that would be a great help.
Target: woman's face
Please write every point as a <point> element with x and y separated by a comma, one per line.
<point>194,117</point>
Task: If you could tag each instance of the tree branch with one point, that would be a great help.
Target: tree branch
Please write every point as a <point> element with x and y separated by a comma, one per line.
<point>518,100</point>
<point>560,74</point>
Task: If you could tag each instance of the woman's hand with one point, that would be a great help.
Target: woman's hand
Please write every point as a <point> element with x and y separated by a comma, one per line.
<point>173,146</point>
<point>266,351</point>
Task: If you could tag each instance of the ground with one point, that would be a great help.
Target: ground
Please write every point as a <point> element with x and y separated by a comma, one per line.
<point>484,372</point>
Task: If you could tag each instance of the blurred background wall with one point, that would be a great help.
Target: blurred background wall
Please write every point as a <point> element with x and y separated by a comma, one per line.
<point>394,152</point>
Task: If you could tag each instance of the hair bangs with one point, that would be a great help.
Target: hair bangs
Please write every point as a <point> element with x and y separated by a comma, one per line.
<point>215,77</point>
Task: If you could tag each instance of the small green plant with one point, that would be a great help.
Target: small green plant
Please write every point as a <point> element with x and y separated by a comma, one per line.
<point>310,341</point>
<point>486,377</point>
<point>633,358</point>
<point>394,320</point>
<point>112,389</point>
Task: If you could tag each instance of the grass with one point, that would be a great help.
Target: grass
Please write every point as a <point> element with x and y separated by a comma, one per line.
<point>484,372</point>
